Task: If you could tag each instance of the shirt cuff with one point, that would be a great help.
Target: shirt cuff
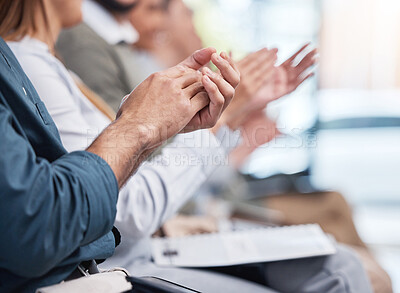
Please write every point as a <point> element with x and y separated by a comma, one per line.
<point>229,139</point>
<point>211,151</point>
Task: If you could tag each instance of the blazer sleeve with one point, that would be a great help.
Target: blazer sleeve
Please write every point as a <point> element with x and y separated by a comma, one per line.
<point>48,210</point>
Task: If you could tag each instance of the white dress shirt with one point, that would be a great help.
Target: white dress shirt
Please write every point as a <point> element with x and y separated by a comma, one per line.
<point>106,26</point>
<point>160,186</point>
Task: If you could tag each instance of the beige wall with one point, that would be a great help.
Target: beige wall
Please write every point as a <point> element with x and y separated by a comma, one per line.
<point>360,44</point>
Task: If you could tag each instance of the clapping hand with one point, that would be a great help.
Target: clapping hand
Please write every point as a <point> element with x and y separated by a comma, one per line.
<point>291,75</point>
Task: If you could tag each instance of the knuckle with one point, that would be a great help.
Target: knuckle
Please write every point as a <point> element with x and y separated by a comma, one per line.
<point>151,78</point>
<point>225,64</point>
<point>198,75</point>
<point>219,102</point>
<point>183,106</point>
<point>173,83</point>
<point>177,93</point>
<point>218,78</point>
<point>156,75</point>
<point>213,88</point>
<point>181,68</point>
<point>231,93</point>
<point>236,81</point>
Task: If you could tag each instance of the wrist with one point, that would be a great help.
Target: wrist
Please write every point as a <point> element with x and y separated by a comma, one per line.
<point>136,133</point>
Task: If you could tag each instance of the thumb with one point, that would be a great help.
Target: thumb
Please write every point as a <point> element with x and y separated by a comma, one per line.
<point>199,58</point>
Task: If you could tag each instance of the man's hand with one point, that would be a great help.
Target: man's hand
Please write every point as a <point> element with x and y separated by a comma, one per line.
<point>167,101</point>
<point>220,88</point>
<point>162,106</point>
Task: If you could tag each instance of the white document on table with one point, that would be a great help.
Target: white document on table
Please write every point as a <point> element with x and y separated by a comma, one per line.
<point>242,247</point>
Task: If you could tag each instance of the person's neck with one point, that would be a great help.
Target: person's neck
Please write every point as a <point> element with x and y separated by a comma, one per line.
<point>48,29</point>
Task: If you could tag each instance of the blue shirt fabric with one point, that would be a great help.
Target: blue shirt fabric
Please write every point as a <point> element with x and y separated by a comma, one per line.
<point>56,208</point>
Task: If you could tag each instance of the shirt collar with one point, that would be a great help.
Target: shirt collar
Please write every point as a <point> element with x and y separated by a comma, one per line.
<point>31,44</point>
<point>106,26</point>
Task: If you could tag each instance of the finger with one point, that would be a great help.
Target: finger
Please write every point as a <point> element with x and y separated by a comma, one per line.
<point>230,60</point>
<point>301,80</point>
<point>307,62</point>
<point>223,86</point>
<point>268,57</point>
<point>199,101</point>
<point>217,100</point>
<point>252,57</point>
<point>261,75</point>
<point>227,71</point>
<point>294,56</point>
<point>264,80</point>
<point>194,89</point>
<point>265,67</point>
<point>189,78</point>
<point>199,58</point>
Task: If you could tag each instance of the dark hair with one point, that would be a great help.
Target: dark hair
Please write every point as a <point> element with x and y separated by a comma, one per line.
<point>115,6</point>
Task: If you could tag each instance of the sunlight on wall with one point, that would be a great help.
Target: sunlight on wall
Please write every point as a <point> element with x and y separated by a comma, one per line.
<point>360,44</point>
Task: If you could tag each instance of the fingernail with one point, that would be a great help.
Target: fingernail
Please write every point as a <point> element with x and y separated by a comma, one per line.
<point>206,78</point>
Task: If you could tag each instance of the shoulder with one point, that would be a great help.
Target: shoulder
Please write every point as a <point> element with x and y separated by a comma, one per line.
<point>34,63</point>
<point>47,74</point>
<point>81,37</point>
<point>83,51</point>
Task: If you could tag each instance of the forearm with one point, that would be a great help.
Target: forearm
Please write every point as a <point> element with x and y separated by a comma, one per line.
<point>124,145</point>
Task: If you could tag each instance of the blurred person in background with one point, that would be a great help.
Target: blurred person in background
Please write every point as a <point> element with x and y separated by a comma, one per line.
<point>176,38</point>
<point>203,280</point>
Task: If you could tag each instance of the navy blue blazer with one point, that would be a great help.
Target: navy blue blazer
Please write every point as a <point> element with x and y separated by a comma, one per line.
<point>56,208</point>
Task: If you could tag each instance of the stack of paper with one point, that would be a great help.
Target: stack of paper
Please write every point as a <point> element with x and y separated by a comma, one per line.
<point>240,247</point>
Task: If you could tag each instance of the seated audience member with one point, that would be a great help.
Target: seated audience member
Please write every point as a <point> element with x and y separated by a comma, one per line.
<point>57,209</point>
<point>308,272</point>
